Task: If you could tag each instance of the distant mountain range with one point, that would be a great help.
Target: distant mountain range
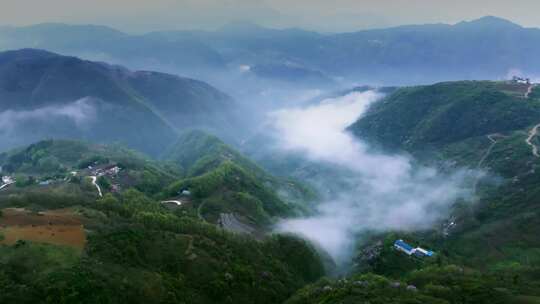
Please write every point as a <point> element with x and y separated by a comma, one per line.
<point>487,48</point>
<point>45,95</point>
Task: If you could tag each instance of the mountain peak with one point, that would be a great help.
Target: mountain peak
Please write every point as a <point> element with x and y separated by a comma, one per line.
<point>23,54</point>
<point>491,22</point>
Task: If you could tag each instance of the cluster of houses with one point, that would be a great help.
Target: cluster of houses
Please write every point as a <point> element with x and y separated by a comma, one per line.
<point>521,80</point>
<point>400,245</point>
<point>6,181</point>
<point>109,170</point>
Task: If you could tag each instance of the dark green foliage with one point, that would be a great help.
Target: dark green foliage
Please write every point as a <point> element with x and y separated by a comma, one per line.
<point>92,161</point>
<point>437,115</point>
<point>138,252</point>
<point>230,188</point>
<point>497,234</point>
<point>358,289</point>
<point>24,181</point>
<point>198,152</point>
<point>64,153</point>
<point>40,198</point>
<point>104,183</point>
<point>138,170</point>
<point>448,284</point>
<point>223,180</point>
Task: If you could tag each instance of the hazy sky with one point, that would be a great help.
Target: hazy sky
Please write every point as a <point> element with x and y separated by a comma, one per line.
<point>322,15</point>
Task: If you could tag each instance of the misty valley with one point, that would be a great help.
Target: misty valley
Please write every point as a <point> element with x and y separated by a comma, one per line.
<point>259,165</point>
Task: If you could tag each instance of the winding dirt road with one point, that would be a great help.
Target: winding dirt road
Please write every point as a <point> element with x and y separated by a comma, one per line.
<point>178,203</point>
<point>488,151</point>
<point>529,90</point>
<point>94,179</point>
<point>532,133</point>
<point>229,222</point>
<point>491,138</point>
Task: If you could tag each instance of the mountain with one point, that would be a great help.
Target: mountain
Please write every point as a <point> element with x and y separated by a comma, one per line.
<point>83,247</point>
<point>489,22</point>
<point>105,44</point>
<point>436,285</point>
<point>59,161</point>
<point>487,48</point>
<point>45,95</point>
<point>198,152</point>
<point>431,117</point>
<point>223,181</point>
<point>487,126</point>
<point>484,250</point>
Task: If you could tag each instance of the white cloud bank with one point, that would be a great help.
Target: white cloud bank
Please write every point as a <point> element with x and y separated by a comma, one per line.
<point>81,112</point>
<point>387,192</point>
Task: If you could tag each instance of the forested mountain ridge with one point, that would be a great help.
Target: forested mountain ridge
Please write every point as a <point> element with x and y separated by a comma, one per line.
<point>109,224</point>
<point>437,115</point>
<point>100,102</point>
<point>484,126</point>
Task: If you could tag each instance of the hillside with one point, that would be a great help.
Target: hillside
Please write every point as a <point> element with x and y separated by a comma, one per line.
<point>83,247</point>
<point>431,117</point>
<point>104,43</point>
<point>223,181</point>
<point>64,166</point>
<point>486,126</point>
<point>99,102</point>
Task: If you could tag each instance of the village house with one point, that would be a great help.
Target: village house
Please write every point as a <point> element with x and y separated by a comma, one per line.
<point>7,180</point>
<point>45,182</point>
<point>521,80</point>
<point>184,192</point>
<point>110,170</point>
<point>400,245</point>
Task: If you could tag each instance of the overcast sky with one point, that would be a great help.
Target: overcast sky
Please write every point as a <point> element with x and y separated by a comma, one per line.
<point>321,15</point>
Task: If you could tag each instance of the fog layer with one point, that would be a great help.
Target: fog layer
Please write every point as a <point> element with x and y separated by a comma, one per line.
<point>80,112</point>
<point>387,192</point>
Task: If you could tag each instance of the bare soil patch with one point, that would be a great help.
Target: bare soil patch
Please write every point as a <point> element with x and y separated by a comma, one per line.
<point>57,227</point>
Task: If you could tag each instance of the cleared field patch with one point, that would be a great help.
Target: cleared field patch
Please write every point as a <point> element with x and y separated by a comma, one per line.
<point>57,227</point>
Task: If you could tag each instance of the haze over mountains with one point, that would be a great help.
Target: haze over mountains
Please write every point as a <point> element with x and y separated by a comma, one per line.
<point>487,48</point>
<point>264,160</point>
<point>45,95</point>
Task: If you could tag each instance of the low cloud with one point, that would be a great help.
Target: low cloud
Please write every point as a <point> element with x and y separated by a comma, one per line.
<point>82,112</point>
<point>382,192</point>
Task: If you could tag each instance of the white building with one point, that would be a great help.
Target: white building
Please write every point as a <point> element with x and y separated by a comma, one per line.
<point>7,179</point>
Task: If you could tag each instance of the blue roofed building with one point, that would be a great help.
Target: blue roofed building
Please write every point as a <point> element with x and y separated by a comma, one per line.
<point>404,247</point>
<point>400,245</point>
